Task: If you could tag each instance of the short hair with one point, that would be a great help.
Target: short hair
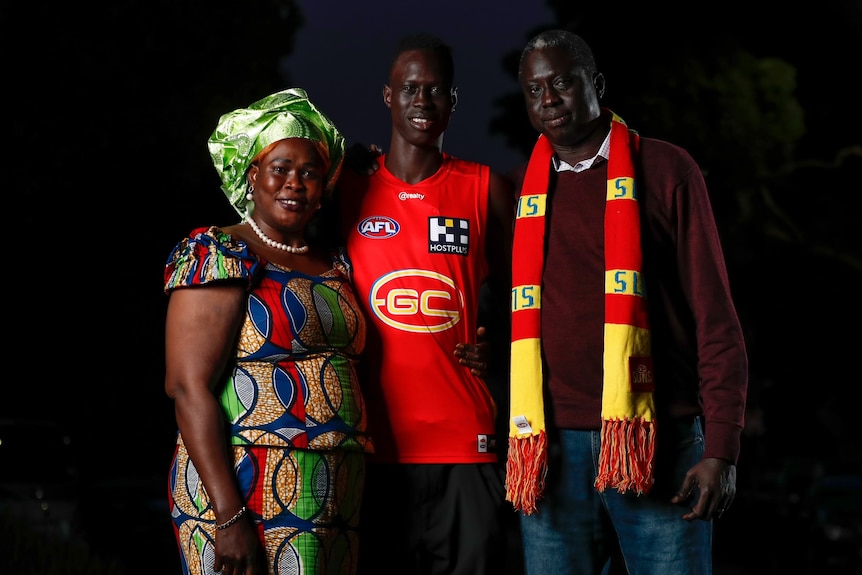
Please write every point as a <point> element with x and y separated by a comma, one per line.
<point>576,46</point>
<point>425,41</point>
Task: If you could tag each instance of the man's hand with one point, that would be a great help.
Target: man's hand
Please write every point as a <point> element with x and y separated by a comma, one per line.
<point>715,483</point>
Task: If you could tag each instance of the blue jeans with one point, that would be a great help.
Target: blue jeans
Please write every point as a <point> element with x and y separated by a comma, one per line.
<point>578,531</point>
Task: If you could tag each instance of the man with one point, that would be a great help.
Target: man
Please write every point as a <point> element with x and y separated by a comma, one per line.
<point>424,232</point>
<point>629,369</point>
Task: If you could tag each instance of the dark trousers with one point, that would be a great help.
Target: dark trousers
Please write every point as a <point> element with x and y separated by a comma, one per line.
<point>433,519</point>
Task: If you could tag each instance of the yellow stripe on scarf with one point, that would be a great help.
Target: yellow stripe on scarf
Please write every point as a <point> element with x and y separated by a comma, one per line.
<point>530,405</point>
<point>618,401</point>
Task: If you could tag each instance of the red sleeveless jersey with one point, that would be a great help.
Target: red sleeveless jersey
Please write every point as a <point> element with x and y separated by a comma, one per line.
<point>418,254</point>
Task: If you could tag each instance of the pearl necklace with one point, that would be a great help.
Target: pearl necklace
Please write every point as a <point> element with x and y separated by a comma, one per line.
<point>274,244</point>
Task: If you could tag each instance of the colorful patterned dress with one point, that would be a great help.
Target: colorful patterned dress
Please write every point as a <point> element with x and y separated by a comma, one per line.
<point>293,411</point>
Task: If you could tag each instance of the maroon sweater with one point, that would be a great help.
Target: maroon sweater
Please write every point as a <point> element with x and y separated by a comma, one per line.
<point>698,348</point>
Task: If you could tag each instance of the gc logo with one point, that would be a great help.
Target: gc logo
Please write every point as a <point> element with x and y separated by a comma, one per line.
<point>417,301</point>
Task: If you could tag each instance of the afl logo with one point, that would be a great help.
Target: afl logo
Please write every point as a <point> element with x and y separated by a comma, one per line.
<point>418,301</point>
<point>378,227</point>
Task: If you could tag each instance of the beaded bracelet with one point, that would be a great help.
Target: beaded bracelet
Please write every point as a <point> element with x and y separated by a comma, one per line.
<point>233,519</point>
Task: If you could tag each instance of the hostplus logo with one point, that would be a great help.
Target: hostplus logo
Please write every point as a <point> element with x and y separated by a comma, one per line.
<point>448,236</point>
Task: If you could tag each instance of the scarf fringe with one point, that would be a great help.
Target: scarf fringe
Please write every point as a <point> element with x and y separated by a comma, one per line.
<point>526,468</point>
<point>626,458</point>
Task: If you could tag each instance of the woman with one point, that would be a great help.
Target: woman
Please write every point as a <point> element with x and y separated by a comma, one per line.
<point>263,335</point>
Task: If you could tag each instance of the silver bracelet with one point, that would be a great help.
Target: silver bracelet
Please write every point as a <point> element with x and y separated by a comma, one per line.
<point>233,519</point>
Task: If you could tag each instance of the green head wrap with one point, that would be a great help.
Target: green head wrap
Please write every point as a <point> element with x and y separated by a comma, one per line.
<point>241,135</point>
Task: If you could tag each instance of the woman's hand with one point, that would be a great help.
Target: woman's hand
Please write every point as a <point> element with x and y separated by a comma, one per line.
<point>238,550</point>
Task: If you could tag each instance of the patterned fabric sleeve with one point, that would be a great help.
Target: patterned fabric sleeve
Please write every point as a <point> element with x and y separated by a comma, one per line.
<point>208,255</point>
<point>342,263</point>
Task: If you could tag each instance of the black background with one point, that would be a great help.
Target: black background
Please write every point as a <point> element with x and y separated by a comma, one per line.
<point>106,108</point>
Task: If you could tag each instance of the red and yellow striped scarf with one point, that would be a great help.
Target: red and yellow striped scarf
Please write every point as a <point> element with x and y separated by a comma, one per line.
<point>628,410</point>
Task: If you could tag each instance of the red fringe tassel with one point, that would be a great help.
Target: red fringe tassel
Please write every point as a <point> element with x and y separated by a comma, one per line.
<point>526,468</point>
<point>626,458</point>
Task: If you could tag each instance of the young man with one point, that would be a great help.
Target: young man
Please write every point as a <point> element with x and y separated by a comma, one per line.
<point>629,370</point>
<point>424,232</point>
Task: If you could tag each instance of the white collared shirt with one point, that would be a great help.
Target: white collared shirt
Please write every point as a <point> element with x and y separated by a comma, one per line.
<point>604,152</point>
